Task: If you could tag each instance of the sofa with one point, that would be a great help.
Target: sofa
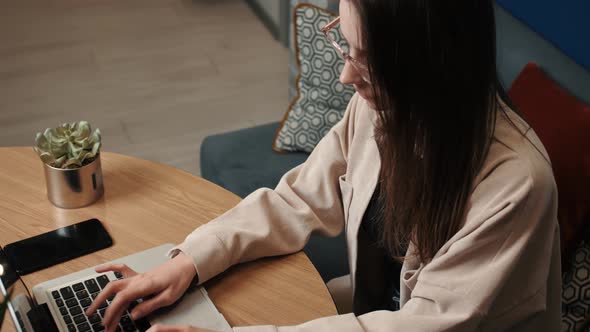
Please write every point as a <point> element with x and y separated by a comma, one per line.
<point>243,161</point>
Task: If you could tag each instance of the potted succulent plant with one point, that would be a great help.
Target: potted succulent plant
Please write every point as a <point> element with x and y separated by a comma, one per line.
<point>71,159</point>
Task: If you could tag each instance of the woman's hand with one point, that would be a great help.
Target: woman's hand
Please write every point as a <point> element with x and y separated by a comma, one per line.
<point>165,328</point>
<point>165,283</point>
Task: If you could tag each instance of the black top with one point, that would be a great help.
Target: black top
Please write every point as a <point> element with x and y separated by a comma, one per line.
<point>372,225</point>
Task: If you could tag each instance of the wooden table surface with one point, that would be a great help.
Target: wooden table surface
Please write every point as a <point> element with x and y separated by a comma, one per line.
<point>147,204</point>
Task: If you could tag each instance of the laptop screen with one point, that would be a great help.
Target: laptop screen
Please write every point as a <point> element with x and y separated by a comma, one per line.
<point>20,309</point>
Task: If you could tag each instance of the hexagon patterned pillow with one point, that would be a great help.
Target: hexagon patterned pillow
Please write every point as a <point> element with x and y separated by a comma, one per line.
<point>575,298</point>
<point>321,99</point>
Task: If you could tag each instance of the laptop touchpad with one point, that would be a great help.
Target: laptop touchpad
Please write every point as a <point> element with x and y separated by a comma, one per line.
<point>195,309</point>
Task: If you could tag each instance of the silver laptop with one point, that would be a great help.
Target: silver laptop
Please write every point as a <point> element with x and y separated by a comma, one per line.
<point>59,304</point>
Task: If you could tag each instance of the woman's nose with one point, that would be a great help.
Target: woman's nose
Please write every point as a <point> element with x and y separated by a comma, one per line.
<point>350,75</point>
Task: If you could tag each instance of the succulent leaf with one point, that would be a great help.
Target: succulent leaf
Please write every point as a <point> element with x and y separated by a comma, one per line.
<point>59,131</point>
<point>59,161</point>
<point>72,163</point>
<point>69,145</point>
<point>41,141</point>
<point>95,148</point>
<point>47,158</point>
<point>83,155</point>
<point>82,130</point>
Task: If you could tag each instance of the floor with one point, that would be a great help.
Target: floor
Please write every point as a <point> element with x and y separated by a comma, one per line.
<point>156,76</point>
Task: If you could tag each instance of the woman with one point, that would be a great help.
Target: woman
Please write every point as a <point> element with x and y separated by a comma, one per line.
<point>446,195</point>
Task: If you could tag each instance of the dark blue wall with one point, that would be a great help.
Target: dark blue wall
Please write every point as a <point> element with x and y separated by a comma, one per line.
<point>565,23</point>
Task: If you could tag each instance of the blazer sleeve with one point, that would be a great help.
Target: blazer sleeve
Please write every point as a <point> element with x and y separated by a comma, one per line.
<point>280,221</point>
<point>510,227</point>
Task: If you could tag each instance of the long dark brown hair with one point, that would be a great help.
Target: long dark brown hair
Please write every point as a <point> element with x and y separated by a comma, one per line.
<point>432,65</point>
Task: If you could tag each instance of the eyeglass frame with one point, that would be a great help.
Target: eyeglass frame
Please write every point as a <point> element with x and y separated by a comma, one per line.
<point>360,67</point>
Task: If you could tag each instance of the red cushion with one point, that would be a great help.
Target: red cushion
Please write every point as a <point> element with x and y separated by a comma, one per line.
<point>562,122</point>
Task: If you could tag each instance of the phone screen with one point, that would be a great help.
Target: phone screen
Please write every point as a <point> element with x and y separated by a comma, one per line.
<point>41,251</point>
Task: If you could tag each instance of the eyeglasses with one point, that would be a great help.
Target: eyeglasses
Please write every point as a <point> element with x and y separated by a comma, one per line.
<point>343,49</point>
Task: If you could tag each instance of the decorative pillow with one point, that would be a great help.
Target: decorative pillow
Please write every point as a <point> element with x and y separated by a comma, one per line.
<point>562,122</point>
<point>331,5</point>
<point>575,294</point>
<point>321,99</point>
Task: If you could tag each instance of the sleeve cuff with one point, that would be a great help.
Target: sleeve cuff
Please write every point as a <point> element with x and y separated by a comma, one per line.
<point>208,253</point>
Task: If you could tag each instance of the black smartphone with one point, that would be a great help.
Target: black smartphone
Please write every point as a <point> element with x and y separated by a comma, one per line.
<point>41,251</point>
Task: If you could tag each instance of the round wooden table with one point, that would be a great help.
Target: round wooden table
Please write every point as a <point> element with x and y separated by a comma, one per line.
<point>147,204</point>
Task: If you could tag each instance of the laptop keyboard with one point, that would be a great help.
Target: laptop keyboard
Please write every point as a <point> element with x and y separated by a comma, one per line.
<point>73,300</point>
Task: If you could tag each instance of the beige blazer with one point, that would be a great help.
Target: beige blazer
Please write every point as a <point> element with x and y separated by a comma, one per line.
<point>500,272</point>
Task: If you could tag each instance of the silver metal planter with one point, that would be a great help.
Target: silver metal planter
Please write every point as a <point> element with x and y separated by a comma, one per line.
<point>74,188</point>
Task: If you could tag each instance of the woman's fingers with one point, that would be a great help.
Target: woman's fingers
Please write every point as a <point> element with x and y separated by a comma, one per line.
<point>126,271</point>
<point>165,283</point>
<point>150,305</point>
<point>135,288</point>
<point>110,289</point>
<point>113,314</point>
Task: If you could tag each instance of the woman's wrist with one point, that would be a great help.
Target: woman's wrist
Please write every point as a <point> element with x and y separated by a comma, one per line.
<point>187,265</point>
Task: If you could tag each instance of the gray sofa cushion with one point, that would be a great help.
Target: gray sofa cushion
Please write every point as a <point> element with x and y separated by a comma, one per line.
<point>243,161</point>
